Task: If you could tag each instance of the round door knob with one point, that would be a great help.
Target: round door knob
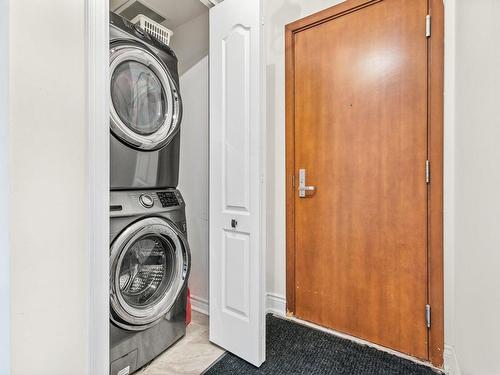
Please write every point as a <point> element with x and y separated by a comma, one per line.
<point>146,200</point>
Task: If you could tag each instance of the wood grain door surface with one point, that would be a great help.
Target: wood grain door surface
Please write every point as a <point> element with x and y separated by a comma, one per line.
<point>360,132</point>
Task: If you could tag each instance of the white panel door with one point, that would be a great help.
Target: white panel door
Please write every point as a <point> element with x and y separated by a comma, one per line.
<point>237,201</point>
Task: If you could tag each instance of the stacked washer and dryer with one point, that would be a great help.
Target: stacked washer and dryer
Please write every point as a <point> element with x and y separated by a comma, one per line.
<point>149,254</point>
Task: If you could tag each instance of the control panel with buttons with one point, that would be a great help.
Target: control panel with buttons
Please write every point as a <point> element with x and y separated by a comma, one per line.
<point>168,199</point>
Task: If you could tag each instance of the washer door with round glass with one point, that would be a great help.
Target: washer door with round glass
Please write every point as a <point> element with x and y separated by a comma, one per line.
<point>149,266</point>
<point>145,106</point>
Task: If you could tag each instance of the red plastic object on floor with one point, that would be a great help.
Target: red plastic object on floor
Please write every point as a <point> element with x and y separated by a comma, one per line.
<point>188,308</point>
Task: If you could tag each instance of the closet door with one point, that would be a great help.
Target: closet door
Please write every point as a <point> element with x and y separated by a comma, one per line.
<point>237,238</point>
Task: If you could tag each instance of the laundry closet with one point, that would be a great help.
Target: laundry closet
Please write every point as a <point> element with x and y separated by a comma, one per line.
<point>158,177</point>
<point>187,196</point>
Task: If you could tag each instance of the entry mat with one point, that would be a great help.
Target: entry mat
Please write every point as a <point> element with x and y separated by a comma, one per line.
<point>292,348</point>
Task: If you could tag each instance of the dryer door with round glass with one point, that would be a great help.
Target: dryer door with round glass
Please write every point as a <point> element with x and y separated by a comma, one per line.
<point>149,265</point>
<point>145,104</point>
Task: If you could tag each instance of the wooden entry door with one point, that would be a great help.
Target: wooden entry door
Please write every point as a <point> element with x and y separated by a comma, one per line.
<point>358,134</point>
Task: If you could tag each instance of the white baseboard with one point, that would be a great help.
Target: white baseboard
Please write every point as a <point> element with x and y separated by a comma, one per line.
<point>451,366</point>
<point>199,304</point>
<point>276,304</point>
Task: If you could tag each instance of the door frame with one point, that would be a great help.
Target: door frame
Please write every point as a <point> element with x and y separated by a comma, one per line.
<point>4,191</point>
<point>435,151</point>
<point>97,184</point>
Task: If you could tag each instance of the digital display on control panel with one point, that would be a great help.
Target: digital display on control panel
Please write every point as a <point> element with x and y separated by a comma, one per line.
<point>168,199</point>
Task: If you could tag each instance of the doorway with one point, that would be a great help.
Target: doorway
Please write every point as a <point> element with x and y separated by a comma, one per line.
<point>364,172</point>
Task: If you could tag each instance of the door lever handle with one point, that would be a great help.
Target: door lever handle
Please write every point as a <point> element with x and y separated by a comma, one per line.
<point>303,188</point>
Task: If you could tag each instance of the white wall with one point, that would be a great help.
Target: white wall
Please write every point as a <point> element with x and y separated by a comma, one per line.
<point>449,186</point>
<point>190,43</point>
<point>278,13</point>
<point>4,192</point>
<point>450,360</point>
<point>47,187</point>
<point>477,199</point>
<point>193,181</point>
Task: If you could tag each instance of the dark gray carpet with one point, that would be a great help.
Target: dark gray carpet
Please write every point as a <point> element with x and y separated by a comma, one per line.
<point>292,348</point>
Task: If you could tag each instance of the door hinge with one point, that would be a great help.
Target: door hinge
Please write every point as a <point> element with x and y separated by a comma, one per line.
<point>427,171</point>
<point>428,315</point>
<point>293,181</point>
<point>428,25</point>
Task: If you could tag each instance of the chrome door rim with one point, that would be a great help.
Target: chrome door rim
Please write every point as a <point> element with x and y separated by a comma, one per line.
<point>133,318</point>
<point>122,52</point>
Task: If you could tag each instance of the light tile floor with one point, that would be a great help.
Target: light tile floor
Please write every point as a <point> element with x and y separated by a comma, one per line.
<point>191,355</point>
